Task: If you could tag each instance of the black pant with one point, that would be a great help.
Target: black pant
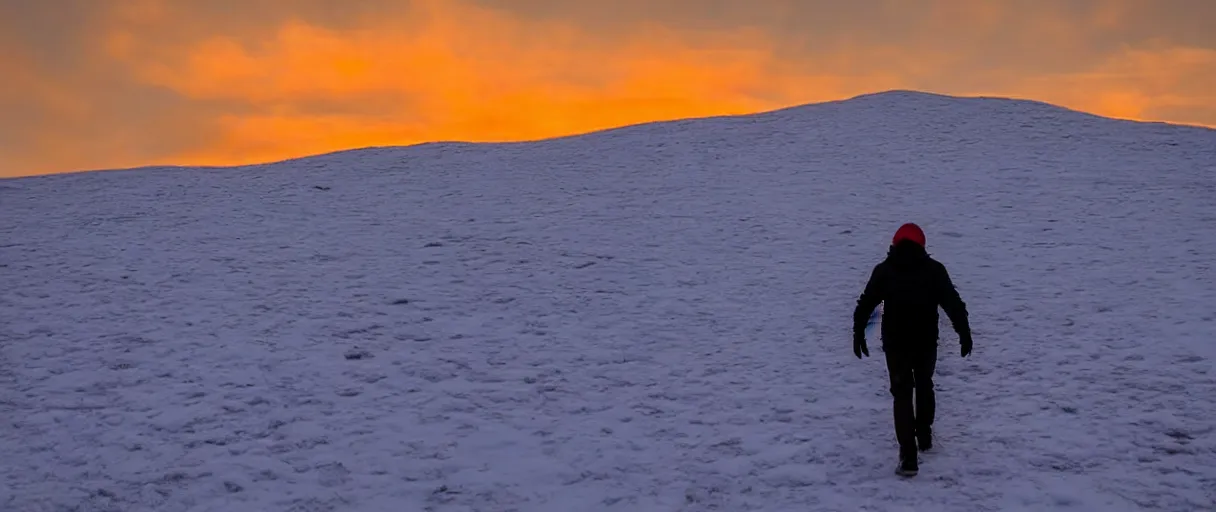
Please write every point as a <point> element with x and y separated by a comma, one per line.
<point>911,370</point>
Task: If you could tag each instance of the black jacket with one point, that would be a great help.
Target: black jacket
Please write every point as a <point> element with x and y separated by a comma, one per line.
<point>911,285</point>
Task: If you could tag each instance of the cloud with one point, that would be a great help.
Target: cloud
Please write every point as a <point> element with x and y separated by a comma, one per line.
<point>1147,83</point>
<point>463,72</point>
<point>154,82</point>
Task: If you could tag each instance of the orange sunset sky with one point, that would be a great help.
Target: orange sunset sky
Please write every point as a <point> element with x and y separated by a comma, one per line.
<point>93,84</point>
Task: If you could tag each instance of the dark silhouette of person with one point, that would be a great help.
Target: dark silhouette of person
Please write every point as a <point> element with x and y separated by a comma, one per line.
<point>910,285</point>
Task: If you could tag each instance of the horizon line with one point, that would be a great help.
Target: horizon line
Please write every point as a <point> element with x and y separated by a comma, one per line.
<point>636,125</point>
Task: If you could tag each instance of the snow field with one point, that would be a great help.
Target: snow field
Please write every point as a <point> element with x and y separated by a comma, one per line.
<point>648,319</point>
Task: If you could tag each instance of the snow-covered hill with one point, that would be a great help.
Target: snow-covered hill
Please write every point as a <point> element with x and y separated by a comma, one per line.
<point>653,318</point>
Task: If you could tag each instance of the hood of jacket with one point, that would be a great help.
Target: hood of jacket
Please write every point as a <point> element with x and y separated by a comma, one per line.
<point>907,254</point>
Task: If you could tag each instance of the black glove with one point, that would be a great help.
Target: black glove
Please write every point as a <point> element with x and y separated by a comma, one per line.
<point>859,345</point>
<point>965,341</point>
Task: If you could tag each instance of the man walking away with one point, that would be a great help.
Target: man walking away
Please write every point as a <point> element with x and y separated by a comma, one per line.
<point>911,285</point>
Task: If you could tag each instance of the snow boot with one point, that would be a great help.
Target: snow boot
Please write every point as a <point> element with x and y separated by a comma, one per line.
<point>924,440</point>
<point>907,467</point>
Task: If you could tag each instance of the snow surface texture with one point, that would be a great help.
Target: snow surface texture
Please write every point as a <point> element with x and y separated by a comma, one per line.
<point>654,318</point>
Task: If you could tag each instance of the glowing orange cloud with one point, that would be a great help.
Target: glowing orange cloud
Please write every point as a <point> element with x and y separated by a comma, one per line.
<point>450,70</point>
<point>471,74</point>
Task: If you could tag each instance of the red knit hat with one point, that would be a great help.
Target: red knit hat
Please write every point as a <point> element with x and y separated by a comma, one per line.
<point>911,232</point>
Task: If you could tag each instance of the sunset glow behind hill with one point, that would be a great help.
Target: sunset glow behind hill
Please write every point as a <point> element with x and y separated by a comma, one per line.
<point>130,83</point>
